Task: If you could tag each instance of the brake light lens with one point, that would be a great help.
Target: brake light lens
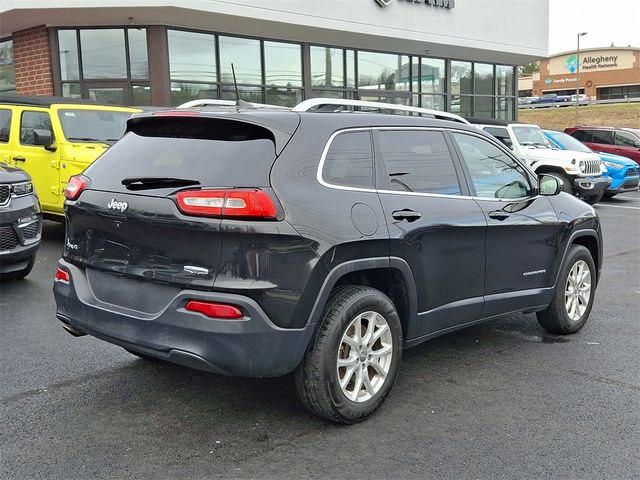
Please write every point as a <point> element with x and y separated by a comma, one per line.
<point>75,187</point>
<point>227,203</point>
<point>214,310</point>
<point>62,276</point>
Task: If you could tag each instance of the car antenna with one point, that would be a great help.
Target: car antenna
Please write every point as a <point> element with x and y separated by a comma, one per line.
<point>239,102</point>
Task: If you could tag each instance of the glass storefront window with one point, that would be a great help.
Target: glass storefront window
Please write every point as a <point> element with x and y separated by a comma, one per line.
<point>71,90</point>
<point>483,78</point>
<point>7,70</point>
<point>244,53</point>
<point>351,69</point>
<point>435,102</point>
<point>483,107</point>
<point>192,56</point>
<point>461,105</point>
<point>68,45</point>
<point>327,67</point>
<point>182,92</point>
<point>327,94</point>
<point>432,75</point>
<point>461,79</point>
<point>103,53</point>
<point>504,108</point>
<point>138,62</point>
<point>282,64</point>
<point>141,95</point>
<point>287,97</point>
<point>504,80</point>
<point>383,71</point>
<point>248,94</point>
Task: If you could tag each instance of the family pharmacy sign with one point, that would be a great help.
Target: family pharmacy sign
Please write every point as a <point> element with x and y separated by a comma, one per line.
<point>435,3</point>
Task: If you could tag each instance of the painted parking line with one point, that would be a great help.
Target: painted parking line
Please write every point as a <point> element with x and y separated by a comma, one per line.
<point>617,206</point>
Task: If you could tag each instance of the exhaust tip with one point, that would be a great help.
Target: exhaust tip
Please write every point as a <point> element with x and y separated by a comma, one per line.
<point>73,331</point>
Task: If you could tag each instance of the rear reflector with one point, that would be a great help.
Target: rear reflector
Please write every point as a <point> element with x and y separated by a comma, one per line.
<point>62,276</point>
<point>227,203</point>
<point>75,187</point>
<point>214,310</point>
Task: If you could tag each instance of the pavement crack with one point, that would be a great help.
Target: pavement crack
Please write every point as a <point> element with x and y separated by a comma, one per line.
<point>608,381</point>
<point>57,386</point>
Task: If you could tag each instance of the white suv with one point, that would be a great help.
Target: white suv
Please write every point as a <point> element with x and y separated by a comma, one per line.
<point>580,172</point>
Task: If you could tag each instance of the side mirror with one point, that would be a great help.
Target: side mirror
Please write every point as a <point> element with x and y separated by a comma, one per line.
<point>549,185</point>
<point>42,137</point>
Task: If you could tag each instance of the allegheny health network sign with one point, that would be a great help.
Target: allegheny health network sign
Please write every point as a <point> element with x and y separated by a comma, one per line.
<point>434,3</point>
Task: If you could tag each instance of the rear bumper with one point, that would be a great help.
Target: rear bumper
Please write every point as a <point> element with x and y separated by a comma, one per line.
<point>249,347</point>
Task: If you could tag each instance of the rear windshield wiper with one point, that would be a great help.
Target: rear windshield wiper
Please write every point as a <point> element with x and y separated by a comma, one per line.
<point>135,183</point>
<point>149,183</point>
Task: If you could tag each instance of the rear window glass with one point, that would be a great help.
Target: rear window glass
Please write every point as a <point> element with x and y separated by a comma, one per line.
<point>216,153</point>
<point>349,161</point>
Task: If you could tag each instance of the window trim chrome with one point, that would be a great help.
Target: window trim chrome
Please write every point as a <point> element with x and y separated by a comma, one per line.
<point>327,146</point>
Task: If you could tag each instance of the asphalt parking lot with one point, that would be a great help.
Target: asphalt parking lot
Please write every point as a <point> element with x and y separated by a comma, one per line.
<point>499,400</point>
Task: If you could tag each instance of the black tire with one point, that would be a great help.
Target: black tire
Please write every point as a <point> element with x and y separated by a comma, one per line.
<point>592,200</point>
<point>317,377</point>
<point>20,274</point>
<point>566,183</point>
<point>555,318</point>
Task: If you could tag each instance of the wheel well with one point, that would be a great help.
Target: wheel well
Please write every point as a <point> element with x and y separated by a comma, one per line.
<point>550,169</point>
<point>389,281</point>
<point>590,244</point>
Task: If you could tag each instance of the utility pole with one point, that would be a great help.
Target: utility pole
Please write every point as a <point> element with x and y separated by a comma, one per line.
<point>582,34</point>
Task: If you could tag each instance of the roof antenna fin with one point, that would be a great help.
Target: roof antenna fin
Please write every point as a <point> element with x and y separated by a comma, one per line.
<point>239,102</point>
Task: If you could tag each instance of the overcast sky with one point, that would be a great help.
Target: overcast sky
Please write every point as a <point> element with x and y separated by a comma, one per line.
<point>606,21</point>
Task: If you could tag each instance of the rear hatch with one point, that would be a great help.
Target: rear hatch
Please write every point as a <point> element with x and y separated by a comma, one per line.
<point>130,218</point>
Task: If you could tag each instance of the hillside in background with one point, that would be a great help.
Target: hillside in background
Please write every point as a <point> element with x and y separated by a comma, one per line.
<point>620,115</point>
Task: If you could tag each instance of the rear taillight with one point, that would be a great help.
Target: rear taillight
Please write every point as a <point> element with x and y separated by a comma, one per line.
<point>227,203</point>
<point>214,310</point>
<point>75,187</point>
<point>62,276</point>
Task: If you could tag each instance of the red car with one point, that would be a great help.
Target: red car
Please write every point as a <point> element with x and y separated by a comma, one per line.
<point>620,141</point>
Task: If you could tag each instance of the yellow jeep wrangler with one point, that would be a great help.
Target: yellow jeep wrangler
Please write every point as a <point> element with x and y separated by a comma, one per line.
<point>56,138</point>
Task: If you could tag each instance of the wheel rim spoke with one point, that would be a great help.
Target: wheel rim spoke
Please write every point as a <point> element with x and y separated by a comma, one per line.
<point>364,356</point>
<point>578,290</point>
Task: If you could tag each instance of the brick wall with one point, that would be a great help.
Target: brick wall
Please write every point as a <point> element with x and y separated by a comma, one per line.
<point>32,62</point>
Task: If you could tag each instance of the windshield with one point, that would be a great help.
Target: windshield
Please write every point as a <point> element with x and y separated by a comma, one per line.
<point>93,125</point>
<point>570,143</point>
<point>531,136</point>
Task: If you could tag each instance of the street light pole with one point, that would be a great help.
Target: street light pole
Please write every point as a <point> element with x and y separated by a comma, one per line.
<point>582,34</point>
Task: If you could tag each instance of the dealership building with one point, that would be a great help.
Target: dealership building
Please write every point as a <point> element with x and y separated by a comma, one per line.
<point>604,74</point>
<point>455,55</point>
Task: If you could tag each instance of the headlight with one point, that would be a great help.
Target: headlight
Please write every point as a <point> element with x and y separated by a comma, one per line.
<point>24,188</point>
<point>615,166</point>
<point>581,165</point>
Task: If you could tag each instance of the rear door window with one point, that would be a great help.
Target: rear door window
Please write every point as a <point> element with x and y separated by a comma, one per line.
<point>494,173</point>
<point>582,135</point>
<point>419,161</point>
<point>349,160</point>
<point>5,125</point>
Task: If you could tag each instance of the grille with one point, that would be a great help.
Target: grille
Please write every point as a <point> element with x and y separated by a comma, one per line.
<point>5,194</point>
<point>591,167</point>
<point>8,238</point>
<point>632,172</point>
<point>31,230</point>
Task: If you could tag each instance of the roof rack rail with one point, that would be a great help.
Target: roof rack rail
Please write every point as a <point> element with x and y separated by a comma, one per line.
<point>214,102</point>
<point>307,105</point>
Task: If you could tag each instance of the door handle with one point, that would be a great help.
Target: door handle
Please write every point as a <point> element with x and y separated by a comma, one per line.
<point>19,159</point>
<point>406,214</point>
<point>499,215</point>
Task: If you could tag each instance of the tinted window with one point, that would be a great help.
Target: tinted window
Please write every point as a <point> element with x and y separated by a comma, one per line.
<point>31,121</point>
<point>582,135</point>
<point>5,125</point>
<point>602,136</point>
<point>493,172</point>
<point>217,153</point>
<point>501,134</point>
<point>625,139</point>
<point>419,161</point>
<point>349,160</point>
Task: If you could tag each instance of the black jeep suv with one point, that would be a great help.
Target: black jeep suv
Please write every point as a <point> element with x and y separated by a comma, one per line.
<point>258,242</point>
